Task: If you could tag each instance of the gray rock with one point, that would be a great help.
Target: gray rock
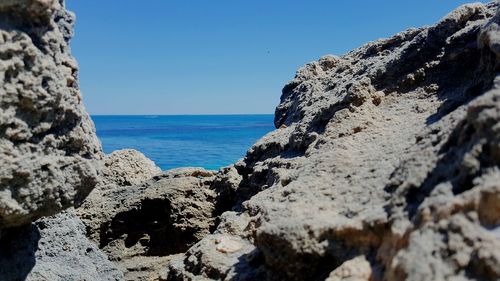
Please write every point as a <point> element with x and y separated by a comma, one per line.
<point>140,226</point>
<point>385,166</point>
<point>216,257</point>
<point>53,248</point>
<point>386,159</point>
<point>448,213</point>
<point>48,146</point>
<point>128,167</point>
<point>50,155</point>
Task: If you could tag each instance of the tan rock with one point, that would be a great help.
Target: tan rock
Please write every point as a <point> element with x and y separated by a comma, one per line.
<point>388,153</point>
<point>128,167</point>
<point>227,245</point>
<point>357,269</point>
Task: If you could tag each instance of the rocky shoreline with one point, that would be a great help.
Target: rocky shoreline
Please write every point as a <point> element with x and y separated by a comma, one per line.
<point>385,165</point>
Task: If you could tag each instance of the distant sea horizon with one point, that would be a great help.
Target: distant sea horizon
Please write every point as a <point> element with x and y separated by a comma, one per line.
<point>210,141</point>
<point>190,114</point>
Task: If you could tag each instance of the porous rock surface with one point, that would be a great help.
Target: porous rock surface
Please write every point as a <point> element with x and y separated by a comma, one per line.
<point>127,167</point>
<point>49,154</point>
<point>385,166</point>
<point>57,247</point>
<point>48,147</point>
<point>54,248</point>
<point>140,226</point>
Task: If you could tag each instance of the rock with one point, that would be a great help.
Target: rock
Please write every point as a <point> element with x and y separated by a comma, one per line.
<point>140,226</point>
<point>357,269</point>
<point>451,213</point>
<point>385,166</point>
<point>48,147</point>
<point>128,167</point>
<point>227,245</point>
<point>50,155</point>
<point>205,260</point>
<point>53,248</point>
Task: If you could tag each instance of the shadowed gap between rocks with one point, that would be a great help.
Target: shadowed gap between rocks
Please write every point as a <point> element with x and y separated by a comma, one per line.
<point>150,224</point>
<point>18,248</point>
<point>461,69</point>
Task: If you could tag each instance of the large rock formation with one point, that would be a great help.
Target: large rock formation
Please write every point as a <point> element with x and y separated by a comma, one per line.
<point>48,147</point>
<point>385,166</point>
<point>49,153</point>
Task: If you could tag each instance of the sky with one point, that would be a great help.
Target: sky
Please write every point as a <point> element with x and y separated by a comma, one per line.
<point>220,56</point>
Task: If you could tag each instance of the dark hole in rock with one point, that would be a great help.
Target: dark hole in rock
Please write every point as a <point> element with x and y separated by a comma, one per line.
<point>149,225</point>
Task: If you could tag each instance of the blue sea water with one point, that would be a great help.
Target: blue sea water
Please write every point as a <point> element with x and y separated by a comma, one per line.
<point>172,141</point>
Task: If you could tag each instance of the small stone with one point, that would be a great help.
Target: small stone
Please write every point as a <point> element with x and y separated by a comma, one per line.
<point>227,245</point>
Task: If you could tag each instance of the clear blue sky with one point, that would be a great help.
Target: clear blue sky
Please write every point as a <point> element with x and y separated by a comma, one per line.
<point>220,56</point>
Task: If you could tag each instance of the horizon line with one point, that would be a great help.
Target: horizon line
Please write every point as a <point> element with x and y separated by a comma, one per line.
<point>187,114</point>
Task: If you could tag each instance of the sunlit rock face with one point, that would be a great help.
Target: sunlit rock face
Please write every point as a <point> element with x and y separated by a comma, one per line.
<point>48,146</point>
<point>50,158</point>
<point>127,167</point>
<point>385,166</point>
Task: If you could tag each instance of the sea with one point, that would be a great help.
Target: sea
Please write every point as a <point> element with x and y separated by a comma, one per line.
<point>173,141</point>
